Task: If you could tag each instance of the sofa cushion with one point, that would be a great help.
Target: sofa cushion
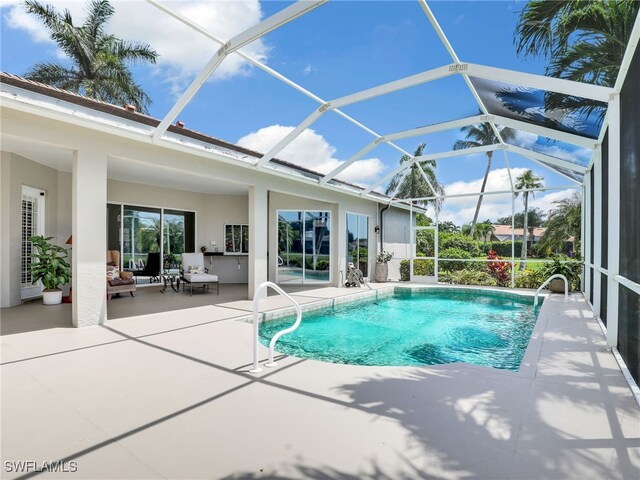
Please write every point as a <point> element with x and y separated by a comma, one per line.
<point>121,281</point>
<point>200,277</point>
<point>196,269</point>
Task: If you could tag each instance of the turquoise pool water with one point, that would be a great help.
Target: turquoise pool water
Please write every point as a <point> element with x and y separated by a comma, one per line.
<point>425,328</point>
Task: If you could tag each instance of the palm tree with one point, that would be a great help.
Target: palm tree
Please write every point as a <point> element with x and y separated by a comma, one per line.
<point>564,222</point>
<point>414,185</point>
<point>478,136</point>
<point>98,59</point>
<point>525,181</point>
<point>585,41</point>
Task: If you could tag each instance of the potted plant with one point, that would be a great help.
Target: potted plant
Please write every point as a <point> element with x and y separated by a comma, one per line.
<point>382,267</point>
<point>570,268</point>
<point>49,266</point>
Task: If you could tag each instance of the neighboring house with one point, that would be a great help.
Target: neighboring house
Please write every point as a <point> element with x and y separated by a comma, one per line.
<point>76,166</point>
<point>503,232</point>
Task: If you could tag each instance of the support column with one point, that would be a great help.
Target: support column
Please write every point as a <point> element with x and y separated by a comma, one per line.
<point>586,239</point>
<point>597,231</point>
<point>258,237</point>
<point>339,244</point>
<point>613,259</point>
<point>89,220</point>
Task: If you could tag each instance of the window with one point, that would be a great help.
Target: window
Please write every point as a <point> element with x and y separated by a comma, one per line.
<point>32,225</point>
<point>358,242</point>
<point>236,239</point>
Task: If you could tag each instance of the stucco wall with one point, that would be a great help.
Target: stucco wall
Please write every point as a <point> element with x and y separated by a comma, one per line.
<point>212,212</point>
<point>283,201</point>
<point>396,233</point>
<point>18,171</point>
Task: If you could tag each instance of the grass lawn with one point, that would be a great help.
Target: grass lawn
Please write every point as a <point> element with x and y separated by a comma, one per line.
<point>532,264</point>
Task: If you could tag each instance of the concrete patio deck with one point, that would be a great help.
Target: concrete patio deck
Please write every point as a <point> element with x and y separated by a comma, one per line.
<point>168,395</point>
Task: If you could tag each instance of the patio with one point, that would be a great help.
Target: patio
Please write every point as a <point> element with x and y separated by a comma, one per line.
<point>168,395</point>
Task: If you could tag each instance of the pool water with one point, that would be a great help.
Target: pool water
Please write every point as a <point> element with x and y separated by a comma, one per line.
<point>416,328</point>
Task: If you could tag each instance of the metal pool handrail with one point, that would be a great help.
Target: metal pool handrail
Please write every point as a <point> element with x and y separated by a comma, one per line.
<point>557,275</point>
<point>256,298</point>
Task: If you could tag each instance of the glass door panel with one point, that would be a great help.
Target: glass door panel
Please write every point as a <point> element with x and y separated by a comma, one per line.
<point>358,242</point>
<point>173,240</point>
<point>317,247</point>
<point>141,236</point>
<point>290,247</point>
<point>363,244</point>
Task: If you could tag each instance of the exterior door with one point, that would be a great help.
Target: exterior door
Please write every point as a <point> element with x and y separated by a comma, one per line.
<point>32,225</point>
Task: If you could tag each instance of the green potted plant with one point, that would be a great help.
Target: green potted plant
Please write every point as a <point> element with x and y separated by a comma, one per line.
<point>562,265</point>
<point>382,267</point>
<point>49,266</point>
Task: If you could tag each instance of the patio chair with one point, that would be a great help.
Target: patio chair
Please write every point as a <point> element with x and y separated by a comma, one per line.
<point>192,270</point>
<point>151,268</point>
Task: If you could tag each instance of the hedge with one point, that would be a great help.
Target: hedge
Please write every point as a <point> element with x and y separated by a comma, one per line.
<point>503,248</point>
<point>463,242</point>
<point>422,267</point>
<point>453,266</point>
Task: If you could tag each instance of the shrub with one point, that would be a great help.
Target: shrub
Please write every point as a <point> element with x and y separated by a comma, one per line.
<point>384,256</point>
<point>569,267</point>
<point>322,265</point>
<point>422,267</point>
<point>502,248</point>
<point>457,240</point>
<point>469,277</point>
<point>453,266</point>
<point>499,270</point>
<point>528,279</point>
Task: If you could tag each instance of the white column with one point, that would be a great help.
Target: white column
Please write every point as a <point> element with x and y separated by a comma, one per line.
<point>597,230</point>
<point>613,259</point>
<point>89,220</point>
<point>258,237</point>
<point>586,240</point>
<point>339,243</point>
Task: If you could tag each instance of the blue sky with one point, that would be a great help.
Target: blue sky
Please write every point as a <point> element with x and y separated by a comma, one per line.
<point>337,49</point>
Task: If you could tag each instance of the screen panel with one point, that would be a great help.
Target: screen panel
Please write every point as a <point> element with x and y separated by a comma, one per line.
<point>532,106</point>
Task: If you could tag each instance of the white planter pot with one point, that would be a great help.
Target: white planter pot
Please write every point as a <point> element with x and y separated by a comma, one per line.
<point>52,297</point>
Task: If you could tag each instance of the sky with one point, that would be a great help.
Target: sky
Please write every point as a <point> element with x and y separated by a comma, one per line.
<point>337,49</point>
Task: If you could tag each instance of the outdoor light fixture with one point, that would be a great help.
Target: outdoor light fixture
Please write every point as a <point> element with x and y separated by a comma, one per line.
<point>377,229</point>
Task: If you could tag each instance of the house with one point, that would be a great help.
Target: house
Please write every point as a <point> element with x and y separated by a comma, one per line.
<point>503,233</point>
<point>73,166</point>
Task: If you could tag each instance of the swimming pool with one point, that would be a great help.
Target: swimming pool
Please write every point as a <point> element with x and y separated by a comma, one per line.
<point>428,327</point>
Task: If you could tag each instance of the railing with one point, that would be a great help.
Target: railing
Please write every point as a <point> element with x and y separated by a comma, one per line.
<point>557,275</point>
<point>256,324</point>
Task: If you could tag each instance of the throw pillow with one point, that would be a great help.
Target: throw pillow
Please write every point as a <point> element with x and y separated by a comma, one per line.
<point>196,270</point>
<point>112,273</point>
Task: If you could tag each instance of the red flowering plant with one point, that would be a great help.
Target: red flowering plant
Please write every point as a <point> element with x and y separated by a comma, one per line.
<point>499,269</point>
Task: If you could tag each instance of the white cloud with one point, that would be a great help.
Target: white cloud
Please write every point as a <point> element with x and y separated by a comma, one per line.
<point>528,140</point>
<point>312,151</point>
<point>461,210</point>
<point>308,68</point>
<point>183,51</point>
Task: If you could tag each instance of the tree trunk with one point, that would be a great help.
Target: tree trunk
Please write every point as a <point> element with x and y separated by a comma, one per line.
<point>525,231</point>
<point>479,204</point>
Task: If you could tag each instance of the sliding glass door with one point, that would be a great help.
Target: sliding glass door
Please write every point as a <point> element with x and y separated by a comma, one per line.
<point>150,239</point>
<point>304,247</point>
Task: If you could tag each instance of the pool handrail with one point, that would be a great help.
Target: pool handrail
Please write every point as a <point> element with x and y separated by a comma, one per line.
<point>557,275</point>
<point>256,324</point>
